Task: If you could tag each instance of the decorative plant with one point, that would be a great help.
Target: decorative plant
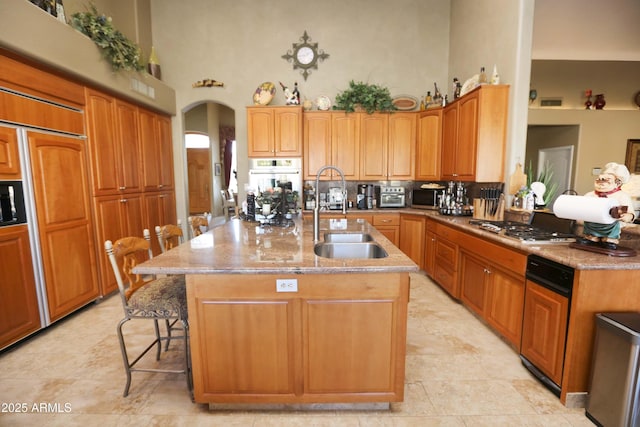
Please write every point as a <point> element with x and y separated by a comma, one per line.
<point>370,97</point>
<point>545,177</point>
<point>122,53</point>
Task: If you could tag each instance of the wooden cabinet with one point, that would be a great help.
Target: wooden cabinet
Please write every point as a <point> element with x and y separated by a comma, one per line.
<point>545,312</point>
<point>298,347</point>
<point>445,249</point>
<point>428,145</point>
<point>274,131</point>
<point>156,150</point>
<point>388,225</point>
<point>9,159</point>
<point>495,293</point>
<point>116,216</point>
<point>159,209</point>
<point>20,316</point>
<point>412,237</point>
<point>387,146</point>
<point>429,247</point>
<point>112,128</point>
<point>474,135</point>
<point>62,195</point>
<point>331,138</point>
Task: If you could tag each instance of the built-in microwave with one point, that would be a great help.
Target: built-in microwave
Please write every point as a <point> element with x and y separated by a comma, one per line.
<point>425,198</point>
<point>12,209</point>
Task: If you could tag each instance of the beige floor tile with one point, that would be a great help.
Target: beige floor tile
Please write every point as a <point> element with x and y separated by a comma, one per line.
<point>458,373</point>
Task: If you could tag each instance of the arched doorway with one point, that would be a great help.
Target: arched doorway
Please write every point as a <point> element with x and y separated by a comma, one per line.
<point>211,162</point>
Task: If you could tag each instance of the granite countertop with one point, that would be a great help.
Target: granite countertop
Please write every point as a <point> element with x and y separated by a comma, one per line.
<point>241,247</point>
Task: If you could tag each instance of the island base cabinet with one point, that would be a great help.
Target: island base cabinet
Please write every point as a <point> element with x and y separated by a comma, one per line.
<point>339,338</point>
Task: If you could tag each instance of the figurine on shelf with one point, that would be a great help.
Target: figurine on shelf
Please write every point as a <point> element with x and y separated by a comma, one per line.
<point>292,97</point>
<point>608,184</point>
<point>599,103</point>
<point>588,104</point>
<point>457,87</point>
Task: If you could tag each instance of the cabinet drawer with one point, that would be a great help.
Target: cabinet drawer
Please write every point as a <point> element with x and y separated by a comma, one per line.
<point>386,219</point>
<point>446,253</point>
<point>509,258</point>
<point>448,233</point>
<point>447,279</point>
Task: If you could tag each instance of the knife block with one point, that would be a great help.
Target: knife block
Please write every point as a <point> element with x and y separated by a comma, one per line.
<point>489,209</point>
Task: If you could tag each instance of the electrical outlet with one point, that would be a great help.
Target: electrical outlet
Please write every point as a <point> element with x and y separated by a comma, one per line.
<point>286,285</point>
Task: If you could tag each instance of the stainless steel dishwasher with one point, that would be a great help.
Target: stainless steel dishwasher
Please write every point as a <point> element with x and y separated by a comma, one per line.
<point>546,315</point>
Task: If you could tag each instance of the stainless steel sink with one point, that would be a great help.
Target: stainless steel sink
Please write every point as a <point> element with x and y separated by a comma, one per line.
<point>350,250</point>
<point>347,237</point>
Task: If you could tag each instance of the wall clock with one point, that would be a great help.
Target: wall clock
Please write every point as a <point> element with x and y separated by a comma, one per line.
<point>305,55</point>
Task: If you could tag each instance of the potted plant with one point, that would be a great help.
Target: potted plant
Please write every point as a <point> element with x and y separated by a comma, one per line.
<point>369,97</point>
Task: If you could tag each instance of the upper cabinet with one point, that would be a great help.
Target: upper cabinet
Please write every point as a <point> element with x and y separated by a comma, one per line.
<point>331,138</point>
<point>474,135</point>
<point>274,131</point>
<point>112,126</point>
<point>9,160</point>
<point>428,145</point>
<point>157,152</point>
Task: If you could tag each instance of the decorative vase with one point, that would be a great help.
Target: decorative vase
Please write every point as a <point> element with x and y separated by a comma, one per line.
<point>154,66</point>
<point>599,102</point>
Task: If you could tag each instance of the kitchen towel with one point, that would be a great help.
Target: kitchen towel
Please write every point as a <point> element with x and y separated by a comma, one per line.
<point>592,209</point>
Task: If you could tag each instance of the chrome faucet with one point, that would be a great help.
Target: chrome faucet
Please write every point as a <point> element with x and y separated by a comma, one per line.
<point>316,208</point>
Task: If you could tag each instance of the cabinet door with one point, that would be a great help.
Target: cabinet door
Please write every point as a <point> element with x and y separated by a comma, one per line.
<point>465,164</point>
<point>9,160</point>
<point>446,265</point>
<point>129,163</point>
<point>430,252</point>
<point>102,138</point>
<point>165,155</point>
<point>19,315</point>
<point>412,235</point>
<point>61,189</point>
<point>428,145</point>
<point>402,146</point>
<point>544,329</point>
<point>390,232</point>
<point>159,209</point>
<point>150,148</point>
<point>505,302</point>
<point>449,141</point>
<point>345,144</point>
<point>288,132</point>
<point>473,282</point>
<point>317,142</point>
<point>260,132</point>
<point>374,136</point>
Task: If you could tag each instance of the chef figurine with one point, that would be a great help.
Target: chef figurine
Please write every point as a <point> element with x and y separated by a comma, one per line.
<point>608,184</point>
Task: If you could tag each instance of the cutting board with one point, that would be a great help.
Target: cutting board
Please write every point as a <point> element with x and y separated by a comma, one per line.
<point>517,180</point>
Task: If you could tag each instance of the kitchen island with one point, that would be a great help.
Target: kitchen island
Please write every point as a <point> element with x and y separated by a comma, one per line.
<point>271,322</point>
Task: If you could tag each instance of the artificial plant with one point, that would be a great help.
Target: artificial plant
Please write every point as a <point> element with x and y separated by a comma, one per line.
<point>369,97</point>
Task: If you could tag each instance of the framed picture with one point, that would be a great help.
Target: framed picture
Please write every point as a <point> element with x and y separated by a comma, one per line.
<point>632,160</point>
<point>218,169</point>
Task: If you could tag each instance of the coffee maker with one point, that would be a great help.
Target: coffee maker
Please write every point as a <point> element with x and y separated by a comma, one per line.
<point>364,196</point>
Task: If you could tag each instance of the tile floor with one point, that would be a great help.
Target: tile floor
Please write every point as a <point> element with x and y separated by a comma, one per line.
<point>459,373</point>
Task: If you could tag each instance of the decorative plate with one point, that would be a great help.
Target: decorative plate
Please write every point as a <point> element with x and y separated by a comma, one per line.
<point>323,103</point>
<point>470,84</point>
<point>405,102</point>
<point>264,93</point>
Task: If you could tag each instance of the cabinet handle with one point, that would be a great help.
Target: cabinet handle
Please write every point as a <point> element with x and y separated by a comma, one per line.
<point>123,188</point>
<point>487,271</point>
<point>123,200</point>
<point>160,185</point>
<point>385,220</point>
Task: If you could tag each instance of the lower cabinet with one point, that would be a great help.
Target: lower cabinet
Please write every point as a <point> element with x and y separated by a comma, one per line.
<point>389,226</point>
<point>546,313</point>
<point>339,338</point>
<point>494,293</point>
<point>412,237</point>
<point>19,316</point>
<point>429,248</point>
<point>116,217</point>
<point>445,254</point>
<point>159,209</point>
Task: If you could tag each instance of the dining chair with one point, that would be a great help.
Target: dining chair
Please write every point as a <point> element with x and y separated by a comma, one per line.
<point>229,204</point>
<point>197,223</point>
<point>148,298</point>
<point>169,236</point>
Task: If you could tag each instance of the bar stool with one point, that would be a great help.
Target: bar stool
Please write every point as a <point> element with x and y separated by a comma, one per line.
<point>150,299</point>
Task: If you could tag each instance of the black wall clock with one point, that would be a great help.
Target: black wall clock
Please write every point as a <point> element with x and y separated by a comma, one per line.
<point>305,55</point>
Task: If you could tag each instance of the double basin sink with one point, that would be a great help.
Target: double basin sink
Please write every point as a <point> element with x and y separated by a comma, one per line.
<point>349,245</point>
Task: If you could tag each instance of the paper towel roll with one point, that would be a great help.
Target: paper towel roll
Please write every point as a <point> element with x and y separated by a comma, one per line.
<point>592,209</point>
